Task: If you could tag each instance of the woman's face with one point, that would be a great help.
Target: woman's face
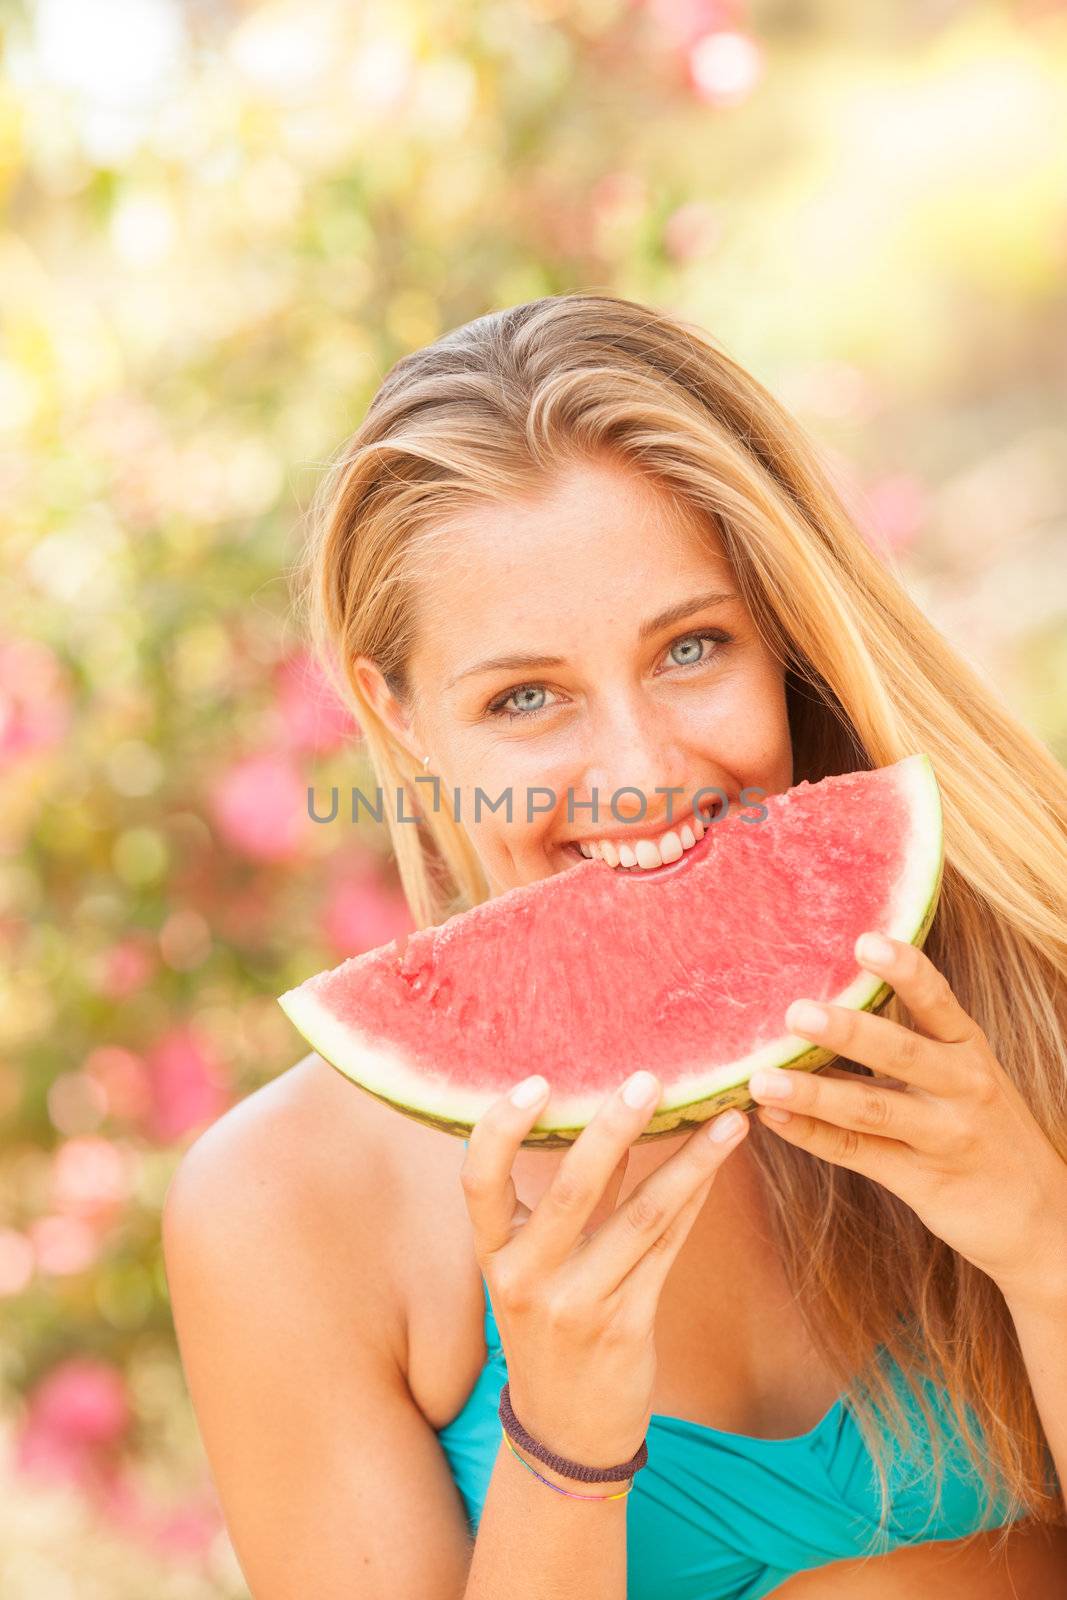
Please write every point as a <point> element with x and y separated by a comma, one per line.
<point>613,694</point>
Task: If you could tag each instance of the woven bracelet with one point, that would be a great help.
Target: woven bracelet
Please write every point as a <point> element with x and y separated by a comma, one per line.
<point>569,1493</point>
<point>568,1469</point>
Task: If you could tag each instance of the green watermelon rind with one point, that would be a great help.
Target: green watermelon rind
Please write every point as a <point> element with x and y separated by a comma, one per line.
<point>386,1075</point>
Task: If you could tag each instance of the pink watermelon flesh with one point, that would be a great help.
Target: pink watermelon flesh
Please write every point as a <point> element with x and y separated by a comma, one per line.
<point>589,974</point>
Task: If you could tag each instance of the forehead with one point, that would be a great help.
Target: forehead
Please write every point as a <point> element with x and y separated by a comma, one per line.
<point>597,532</point>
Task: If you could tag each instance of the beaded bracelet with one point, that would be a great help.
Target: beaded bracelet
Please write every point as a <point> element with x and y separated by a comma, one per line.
<point>569,1493</point>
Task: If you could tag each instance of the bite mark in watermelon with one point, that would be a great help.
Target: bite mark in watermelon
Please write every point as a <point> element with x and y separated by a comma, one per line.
<point>594,972</point>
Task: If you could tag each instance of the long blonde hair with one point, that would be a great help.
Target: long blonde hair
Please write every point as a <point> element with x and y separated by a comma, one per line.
<point>492,410</point>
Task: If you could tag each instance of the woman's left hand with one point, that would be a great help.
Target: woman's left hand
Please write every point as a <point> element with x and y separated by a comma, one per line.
<point>953,1137</point>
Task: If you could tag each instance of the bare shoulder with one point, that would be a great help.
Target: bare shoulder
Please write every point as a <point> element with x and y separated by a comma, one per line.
<point>291,1252</point>
<point>363,1198</point>
<point>343,1174</point>
<point>310,1117</point>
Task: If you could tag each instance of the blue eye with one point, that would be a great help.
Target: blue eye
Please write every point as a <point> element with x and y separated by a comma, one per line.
<point>692,638</point>
<point>498,707</point>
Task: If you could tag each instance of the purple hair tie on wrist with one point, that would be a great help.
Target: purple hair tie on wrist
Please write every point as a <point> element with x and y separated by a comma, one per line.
<point>569,1469</point>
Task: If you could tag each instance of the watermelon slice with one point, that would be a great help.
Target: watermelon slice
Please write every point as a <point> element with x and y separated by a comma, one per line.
<point>595,971</point>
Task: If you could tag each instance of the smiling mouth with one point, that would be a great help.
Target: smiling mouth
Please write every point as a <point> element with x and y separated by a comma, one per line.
<point>691,853</point>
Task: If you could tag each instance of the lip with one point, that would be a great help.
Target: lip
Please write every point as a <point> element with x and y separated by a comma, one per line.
<point>688,859</point>
<point>675,826</point>
<point>669,868</point>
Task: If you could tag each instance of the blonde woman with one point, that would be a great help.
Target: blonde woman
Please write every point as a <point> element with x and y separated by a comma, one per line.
<point>573,545</point>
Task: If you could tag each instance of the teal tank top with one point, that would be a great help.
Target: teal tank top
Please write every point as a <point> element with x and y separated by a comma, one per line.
<point>724,1516</point>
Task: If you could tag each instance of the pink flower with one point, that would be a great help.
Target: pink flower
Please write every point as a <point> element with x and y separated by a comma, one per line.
<point>64,1245</point>
<point>260,808</point>
<point>187,1086</point>
<point>309,716</point>
<point>124,968</point>
<point>680,23</point>
<point>618,197</point>
<point>76,1417</point>
<point>187,1529</point>
<point>897,507</point>
<point>82,1400</point>
<point>91,1178</point>
<point>122,1078</point>
<point>16,1261</point>
<point>361,913</point>
<point>122,1505</point>
<point>691,231</point>
<point>34,699</point>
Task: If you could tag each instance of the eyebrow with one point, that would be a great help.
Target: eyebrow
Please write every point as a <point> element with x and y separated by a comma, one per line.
<point>663,619</point>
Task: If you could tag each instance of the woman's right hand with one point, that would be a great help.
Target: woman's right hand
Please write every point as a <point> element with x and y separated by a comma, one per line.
<point>576,1311</point>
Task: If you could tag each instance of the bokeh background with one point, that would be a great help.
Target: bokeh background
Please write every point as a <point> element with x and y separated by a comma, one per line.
<point>223,223</point>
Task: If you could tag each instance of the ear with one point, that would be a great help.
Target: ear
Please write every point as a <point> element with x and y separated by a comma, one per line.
<point>387,707</point>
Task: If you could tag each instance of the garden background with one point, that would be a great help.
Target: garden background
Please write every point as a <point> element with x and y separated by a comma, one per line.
<point>223,224</point>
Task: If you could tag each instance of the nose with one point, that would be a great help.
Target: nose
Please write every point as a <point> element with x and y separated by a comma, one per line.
<point>633,748</point>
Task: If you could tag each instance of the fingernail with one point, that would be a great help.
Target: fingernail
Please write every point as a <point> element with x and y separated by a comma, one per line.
<point>804,1016</point>
<point>638,1090</point>
<point>771,1081</point>
<point>776,1113</point>
<point>872,947</point>
<point>725,1126</point>
<point>529,1090</point>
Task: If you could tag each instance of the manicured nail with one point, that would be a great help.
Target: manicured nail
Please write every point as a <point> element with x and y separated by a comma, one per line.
<point>872,947</point>
<point>529,1091</point>
<point>804,1016</point>
<point>639,1090</point>
<point>771,1081</point>
<point>725,1126</point>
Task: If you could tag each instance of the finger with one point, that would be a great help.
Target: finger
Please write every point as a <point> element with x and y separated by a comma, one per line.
<point>636,1227</point>
<point>886,1047</point>
<point>643,1284</point>
<point>559,1218</point>
<point>925,991</point>
<point>840,1072</point>
<point>887,1161</point>
<point>485,1176</point>
<point>850,1100</point>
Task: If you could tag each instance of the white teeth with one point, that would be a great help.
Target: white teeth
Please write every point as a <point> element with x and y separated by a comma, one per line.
<point>647,854</point>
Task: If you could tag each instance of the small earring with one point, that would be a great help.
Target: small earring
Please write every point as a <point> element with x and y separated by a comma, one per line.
<point>426,761</point>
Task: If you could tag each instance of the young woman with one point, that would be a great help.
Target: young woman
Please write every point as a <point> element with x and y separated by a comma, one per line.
<point>573,545</point>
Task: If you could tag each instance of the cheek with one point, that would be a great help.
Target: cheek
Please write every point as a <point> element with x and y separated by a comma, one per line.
<point>743,724</point>
<point>499,769</point>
